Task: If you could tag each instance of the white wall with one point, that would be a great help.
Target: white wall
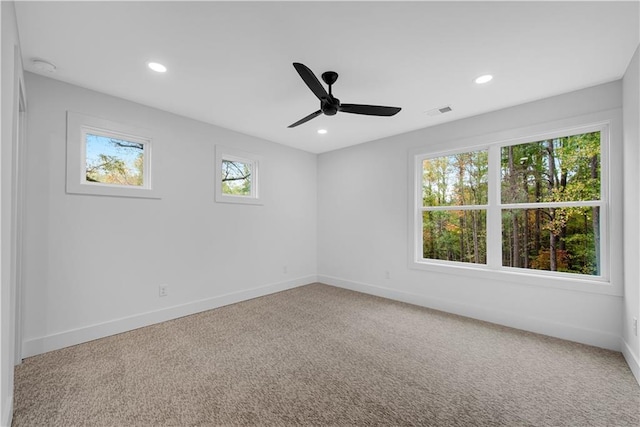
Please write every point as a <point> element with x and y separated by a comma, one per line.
<point>631,130</point>
<point>11,75</point>
<point>93,264</point>
<point>363,230</point>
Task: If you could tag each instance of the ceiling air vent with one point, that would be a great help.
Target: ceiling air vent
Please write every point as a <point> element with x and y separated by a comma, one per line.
<point>438,111</point>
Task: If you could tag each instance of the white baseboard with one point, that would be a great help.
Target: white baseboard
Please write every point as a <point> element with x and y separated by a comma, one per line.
<point>510,319</point>
<point>7,412</point>
<point>68,338</point>
<point>632,359</point>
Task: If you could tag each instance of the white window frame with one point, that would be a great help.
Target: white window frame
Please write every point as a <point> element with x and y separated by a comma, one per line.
<point>78,126</point>
<point>610,279</point>
<point>234,155</point>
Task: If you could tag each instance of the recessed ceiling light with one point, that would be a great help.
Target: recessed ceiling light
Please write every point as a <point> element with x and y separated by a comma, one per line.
<point>157,67</point>
<point>322,131</point>
<point>483,79</point>
<point>42,65</point>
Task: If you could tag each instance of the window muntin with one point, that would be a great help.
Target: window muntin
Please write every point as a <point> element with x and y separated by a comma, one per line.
<point>113,160</point>
<point>578,206</point>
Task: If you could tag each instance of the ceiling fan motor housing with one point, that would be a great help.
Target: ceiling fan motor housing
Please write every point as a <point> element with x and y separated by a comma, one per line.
<point>330,106</point>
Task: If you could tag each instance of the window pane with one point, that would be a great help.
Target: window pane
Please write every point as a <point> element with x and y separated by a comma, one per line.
<point>458,235</point>
<point>114,161</point>
<point>236,178</point>
<point>552,239</point>
<point>554,170</point>
<point>456,180</point>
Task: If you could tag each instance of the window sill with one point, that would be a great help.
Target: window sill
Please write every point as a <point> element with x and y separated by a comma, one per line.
<point>240,200</point>
<point>111,191</point>
<point>517,276</point>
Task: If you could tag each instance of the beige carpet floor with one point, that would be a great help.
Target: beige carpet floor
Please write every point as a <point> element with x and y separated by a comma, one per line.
<point>319,355</point>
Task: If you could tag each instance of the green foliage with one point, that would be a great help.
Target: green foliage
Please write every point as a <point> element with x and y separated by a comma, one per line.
<point>460,179</point>
<point>236,178</point>
<point>556,170</point>
<point>457,180</point>
<point>458,235</point>
<point>542,261</point>
<point>112,169</point>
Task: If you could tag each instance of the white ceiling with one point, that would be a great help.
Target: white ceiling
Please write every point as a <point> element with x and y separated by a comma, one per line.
<point>230,63</point>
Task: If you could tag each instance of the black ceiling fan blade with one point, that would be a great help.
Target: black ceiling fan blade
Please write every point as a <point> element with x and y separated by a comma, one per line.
<point>311,80</point>
<point>369,110</point>
<point>306,119</point>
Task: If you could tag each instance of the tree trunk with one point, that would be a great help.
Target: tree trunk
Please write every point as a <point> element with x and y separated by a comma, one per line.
<point>461,189</point>
<point>476,252</point>
<point>537,227</point>
<point>595,216</point>
<point>515,246</point>
<point>563,230</point>
<point>525,238</point>
<point>525,233</point>
<point>553,266</point>
<point>462,225</point>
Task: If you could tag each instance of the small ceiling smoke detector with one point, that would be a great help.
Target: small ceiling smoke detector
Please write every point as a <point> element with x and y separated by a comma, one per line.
<point>42,65</point>
<point>157,67</point>
<point>438,111</point>
<point>483,79</point>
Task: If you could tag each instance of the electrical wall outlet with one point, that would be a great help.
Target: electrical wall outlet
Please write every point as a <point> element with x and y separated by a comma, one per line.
<point>285,269</point>
<point>163,290</point>
<point>635,326</point>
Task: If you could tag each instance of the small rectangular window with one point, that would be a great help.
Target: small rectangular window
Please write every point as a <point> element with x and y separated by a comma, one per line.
<point>108,158</point>
<point>237,176</point>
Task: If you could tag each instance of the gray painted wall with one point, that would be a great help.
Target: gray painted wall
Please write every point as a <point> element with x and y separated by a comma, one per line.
<point>363,229</point>
<point>631,118</point>
<point>93,264</point>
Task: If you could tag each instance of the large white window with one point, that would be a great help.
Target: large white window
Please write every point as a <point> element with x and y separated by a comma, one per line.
<point>108,158</point>
<point>537,206</point>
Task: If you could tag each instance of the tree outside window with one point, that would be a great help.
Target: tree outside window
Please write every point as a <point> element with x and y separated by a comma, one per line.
<point>549,205</point>
<point>552,189</point>
<point>454,196</point>
<point>114,161</point>
<point>236,178</point>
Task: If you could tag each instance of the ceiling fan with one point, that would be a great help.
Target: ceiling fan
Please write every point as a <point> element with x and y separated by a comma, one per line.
<point>329,105</point>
